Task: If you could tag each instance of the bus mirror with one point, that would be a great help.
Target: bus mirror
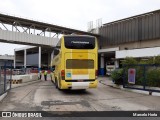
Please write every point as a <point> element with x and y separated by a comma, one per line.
<point>53,68</point>
<point>56,51</point>
<point>58,47</point>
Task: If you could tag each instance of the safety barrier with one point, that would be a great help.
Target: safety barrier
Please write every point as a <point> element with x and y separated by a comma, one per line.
<point>142,77</point>
<point>5,76</point>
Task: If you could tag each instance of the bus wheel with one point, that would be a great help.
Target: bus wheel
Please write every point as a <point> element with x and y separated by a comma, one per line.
<point>59,87</point>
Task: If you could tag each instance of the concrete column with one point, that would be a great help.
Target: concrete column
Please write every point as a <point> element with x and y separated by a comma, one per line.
<point>50,34</point>
<point>12,28</point>
<point>34,31</point>
<point>39,59</point>
<point>25,54</point>
<point>102,67</point>
<point>51,58</point>
<point>116,63</point>
<point>0,76</point>
<point>14,59</point>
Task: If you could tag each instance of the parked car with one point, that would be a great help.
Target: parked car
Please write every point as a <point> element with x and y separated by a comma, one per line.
<point>109,69</point>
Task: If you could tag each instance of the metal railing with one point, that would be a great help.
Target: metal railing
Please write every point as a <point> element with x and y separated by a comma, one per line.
<point>5,76</point>
<point>142,77</point>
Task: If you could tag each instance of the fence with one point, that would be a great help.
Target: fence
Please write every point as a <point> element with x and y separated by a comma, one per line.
<point>5,76</point>
<point>142,77</point>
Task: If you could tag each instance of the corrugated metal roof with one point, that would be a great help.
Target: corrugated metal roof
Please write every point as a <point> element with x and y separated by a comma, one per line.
<point>133,17</point>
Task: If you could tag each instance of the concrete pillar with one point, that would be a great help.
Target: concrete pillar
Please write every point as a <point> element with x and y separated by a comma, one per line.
<point>0,76</point>
<point>50,34</point>
<point>34,31</point>
<point>12,28</point>
<point>116,63</point>
<point>14,59</point>
<point>102,67</point>
<point>39,59</point>
<point>52,54</point>
<point>25,54</point>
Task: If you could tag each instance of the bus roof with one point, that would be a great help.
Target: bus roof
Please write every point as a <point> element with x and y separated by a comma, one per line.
<point>75,35</point>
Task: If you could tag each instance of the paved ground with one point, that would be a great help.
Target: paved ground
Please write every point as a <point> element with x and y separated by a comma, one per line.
<point>44,96</point>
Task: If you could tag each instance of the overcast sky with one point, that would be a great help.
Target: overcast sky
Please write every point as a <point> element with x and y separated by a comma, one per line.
<point>73,13</point>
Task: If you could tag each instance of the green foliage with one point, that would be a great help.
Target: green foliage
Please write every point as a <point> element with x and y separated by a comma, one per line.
<point>152,74</point>
<point>150,61</point>
<point>157,60</point>
<point>139,75</point>
<point>143,62</point>
<point>129,61</point>
<point>153,60</point>
<point>117,76</point>
<point>153,77</point>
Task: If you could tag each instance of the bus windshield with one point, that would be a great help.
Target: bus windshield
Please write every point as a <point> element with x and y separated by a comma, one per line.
<point>82,42</point>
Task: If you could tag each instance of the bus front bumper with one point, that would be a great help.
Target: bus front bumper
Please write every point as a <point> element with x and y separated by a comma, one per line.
<point>78,85</point>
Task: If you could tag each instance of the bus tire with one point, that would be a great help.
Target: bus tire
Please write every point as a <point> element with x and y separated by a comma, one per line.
<point>59,87</point>
<point>54,80</point>
<point>56,83</point>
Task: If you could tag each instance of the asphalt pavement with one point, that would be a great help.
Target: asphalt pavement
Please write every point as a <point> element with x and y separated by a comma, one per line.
<point>43,96</point>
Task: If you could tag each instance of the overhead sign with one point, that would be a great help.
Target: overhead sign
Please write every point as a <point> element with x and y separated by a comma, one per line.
<point>80,42</point>
<point>131,75</point>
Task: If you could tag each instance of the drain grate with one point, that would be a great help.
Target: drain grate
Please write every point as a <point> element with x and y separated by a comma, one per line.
<point>59,102</point>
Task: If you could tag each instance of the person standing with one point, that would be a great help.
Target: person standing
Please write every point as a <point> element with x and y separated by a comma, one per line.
<point>45,75</point>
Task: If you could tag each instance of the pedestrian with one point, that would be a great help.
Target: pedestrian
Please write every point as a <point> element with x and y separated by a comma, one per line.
<point>40,74</point>
<point>45,75</point>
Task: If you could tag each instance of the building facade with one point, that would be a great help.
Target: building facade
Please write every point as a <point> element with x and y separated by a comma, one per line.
<point>137,36</point>
<point>8,58</point>
<point>33,57</point>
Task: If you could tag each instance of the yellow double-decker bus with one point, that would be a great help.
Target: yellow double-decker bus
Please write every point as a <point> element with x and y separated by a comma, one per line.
<point>75,62</point>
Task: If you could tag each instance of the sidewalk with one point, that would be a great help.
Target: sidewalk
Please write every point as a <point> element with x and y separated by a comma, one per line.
<point>19,85</point>
<point>30,82</point>
<point>24,83</point>
<point>108,82</point>
<point>3,96</point>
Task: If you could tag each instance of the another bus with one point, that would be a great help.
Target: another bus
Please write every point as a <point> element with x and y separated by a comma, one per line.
<point>75,62</point>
